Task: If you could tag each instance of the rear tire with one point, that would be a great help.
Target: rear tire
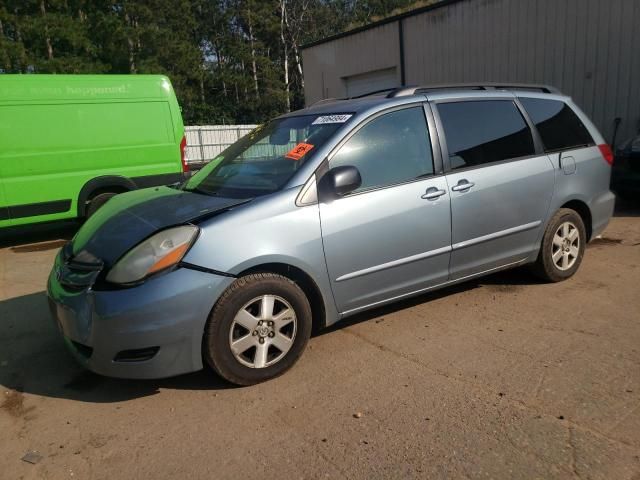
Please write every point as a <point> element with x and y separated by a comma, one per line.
<point>562,247</point>
<point>258,329</point>
<point>98,201</point>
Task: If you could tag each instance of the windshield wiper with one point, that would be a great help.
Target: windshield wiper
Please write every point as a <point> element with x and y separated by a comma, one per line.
<point>200,191</point>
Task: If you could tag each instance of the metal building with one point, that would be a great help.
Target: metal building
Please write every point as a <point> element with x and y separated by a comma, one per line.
<point>589,49</point>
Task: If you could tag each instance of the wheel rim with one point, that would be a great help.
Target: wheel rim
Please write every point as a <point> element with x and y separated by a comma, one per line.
<point>263,331</point>
<point>566,246</point>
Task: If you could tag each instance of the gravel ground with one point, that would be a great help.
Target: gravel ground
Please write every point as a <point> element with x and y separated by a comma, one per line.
<point>501,377</point>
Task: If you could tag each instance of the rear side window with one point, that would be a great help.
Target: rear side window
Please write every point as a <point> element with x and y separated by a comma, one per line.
<point>392,148</point>
<point>559,127</point>
<point>485,131</point>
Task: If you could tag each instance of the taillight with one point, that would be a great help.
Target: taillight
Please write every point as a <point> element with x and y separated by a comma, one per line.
<point>183,154</point>
<point>606,152</point>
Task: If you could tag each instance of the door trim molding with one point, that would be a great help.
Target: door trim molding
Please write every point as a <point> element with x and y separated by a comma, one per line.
<point>433,287</point>
<point>495,235</point>
<point>394,263</point>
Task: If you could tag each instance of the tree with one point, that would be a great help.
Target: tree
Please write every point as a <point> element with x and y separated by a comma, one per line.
<point>230,61</point>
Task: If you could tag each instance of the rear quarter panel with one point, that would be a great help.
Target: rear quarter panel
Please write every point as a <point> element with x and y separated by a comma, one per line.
<point>589,184</point>
<point>590,181</point>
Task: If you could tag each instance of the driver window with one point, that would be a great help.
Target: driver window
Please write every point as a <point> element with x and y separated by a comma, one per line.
<point>393,148</point>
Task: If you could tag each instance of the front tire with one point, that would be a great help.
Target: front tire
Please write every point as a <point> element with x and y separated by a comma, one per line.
<point>258,329</point>
<point>562,247</point>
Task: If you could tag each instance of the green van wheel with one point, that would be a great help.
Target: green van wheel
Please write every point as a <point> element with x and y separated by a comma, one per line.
<point>98,201</point>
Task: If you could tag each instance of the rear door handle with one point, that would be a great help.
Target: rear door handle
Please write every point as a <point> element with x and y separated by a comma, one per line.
<point>432,193</point>
<point>462,186</point>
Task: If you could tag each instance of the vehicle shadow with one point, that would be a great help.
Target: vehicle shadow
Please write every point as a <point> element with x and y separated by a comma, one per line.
<point>44,236</point>
<point>505,281</point>
<point>34,360</point>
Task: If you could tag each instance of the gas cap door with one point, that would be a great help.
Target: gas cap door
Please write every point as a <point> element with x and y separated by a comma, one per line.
<point>568,164</point>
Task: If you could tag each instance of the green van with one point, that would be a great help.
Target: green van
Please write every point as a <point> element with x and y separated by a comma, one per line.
<point>68,143</point>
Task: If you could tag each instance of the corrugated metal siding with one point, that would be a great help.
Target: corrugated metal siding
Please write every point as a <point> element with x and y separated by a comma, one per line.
<point>327,65</point>
<point>589,49</point>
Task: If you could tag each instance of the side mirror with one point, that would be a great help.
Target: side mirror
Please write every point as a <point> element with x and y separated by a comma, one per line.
<point>339,181</point>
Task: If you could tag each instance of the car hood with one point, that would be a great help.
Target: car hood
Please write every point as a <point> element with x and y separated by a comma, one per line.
<point>128,218</point>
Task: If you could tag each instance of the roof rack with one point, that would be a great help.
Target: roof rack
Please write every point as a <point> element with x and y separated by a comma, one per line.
<point>375,92</point>
<point>405,91</point>
<point>325,100</point>
<point>362,95</point>
<point>413,90</point>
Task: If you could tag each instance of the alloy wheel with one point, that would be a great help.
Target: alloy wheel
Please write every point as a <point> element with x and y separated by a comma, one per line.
<point>566,246</point>
<point>263,331</point>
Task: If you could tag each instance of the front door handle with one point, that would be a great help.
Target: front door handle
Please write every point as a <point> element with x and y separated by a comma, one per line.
<point>432,193</point>
<point>462,186</point>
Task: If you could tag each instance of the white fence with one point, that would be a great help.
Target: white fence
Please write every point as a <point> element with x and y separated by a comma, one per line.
<point>204,142</point>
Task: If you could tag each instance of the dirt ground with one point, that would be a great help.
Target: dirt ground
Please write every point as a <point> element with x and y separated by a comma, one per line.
<point>502,377</point>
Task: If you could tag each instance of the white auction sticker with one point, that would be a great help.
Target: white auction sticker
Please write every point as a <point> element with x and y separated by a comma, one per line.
<point>332,119</point>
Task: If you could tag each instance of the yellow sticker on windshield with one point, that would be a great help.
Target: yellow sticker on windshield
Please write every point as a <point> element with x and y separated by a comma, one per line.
<point>299,151</point>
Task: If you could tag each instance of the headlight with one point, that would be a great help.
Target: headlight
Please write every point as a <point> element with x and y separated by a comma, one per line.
<point>163,250</point>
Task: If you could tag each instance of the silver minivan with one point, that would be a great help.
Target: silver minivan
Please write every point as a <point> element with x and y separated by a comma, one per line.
<point>326,212</point>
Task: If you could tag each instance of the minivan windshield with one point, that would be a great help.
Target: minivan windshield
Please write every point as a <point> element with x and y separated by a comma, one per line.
<point>264,160</point>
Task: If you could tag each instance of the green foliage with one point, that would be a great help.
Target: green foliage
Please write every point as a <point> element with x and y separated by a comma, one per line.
<point>225,58</point>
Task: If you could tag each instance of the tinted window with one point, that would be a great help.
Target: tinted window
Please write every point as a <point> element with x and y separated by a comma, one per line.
<point>559,127</point>
<point>393,148</point>
<point>484,131</point>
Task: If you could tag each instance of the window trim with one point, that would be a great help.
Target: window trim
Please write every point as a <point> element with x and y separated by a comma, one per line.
<point>494,163</point>
<point>435,147</point>
<point>553,151</point>
<point>436,151</point>
<point>538,145</point>
<point>570,149</point>
<point>444,148</point>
